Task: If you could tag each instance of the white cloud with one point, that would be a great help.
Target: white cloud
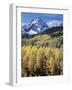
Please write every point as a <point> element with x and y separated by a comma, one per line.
<point>31,32</point>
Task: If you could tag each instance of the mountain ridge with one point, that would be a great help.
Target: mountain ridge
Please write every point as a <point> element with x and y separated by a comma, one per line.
<point>55,31</point>
<point>37,26</point>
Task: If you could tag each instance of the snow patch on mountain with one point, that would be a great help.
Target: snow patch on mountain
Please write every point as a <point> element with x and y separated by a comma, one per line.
<point>31,32</point>
<point>54,23</point>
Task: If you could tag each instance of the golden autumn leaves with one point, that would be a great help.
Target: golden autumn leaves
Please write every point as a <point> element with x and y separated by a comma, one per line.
<point>41,61</point>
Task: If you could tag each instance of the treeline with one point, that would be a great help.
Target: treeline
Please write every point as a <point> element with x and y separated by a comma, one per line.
<point>44,41</point>
<point>41,61</point>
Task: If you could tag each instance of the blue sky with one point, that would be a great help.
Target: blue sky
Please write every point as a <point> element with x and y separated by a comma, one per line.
<point>27,17</point>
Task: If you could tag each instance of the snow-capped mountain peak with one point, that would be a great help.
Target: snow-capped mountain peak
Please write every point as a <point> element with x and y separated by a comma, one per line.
<point>37,25</point>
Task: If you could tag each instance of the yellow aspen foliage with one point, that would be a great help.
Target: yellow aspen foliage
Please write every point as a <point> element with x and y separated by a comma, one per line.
<point>57,54</point>
<point>37,60</point>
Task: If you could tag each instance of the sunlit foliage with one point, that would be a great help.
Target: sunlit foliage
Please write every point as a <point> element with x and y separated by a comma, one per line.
<point>41,61</point>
